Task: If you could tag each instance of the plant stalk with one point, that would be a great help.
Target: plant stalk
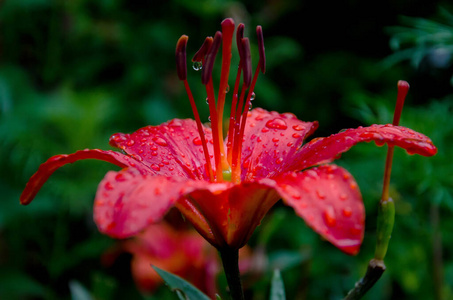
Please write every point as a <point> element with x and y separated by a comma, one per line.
<point>230,261</point>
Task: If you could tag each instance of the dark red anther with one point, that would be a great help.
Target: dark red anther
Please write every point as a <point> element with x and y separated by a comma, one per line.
<point>259,33</point>
<point>181,63</point>
<point>201,53</point>
<point>239,37</point>
<point>246,61</point>
<point>210,58</point>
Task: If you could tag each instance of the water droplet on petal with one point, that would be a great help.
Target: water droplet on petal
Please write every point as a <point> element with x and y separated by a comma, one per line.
<point>197,141</point>
<point>277,123</point>
<point>343,197</point>
<point>296,135</point>
<point>298,127</point>
<point>321,195</point>
<point>197,65</point>
<point>275,140</point>
<point>155,167</point>
<point>329,216</point>
<point>347,212</point>
<point>279,160</point>
<point>130,142</point>
<point>160,141</point>
<point>108,186</point>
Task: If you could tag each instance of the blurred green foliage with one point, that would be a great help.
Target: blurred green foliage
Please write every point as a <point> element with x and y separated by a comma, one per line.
<point>74,72</point>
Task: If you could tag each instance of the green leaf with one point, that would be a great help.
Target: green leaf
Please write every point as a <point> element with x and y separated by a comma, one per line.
<point>78,291</point>
<point>182,288</point>
<point>277,287</point>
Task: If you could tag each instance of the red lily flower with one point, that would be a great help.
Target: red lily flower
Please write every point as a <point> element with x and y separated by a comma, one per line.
<point>225,187</point>
<point>181,252</point>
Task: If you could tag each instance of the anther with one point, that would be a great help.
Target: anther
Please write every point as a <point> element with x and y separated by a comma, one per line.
<point>239,37</point>
<point>201,53</point>
<point>210,58</point>
<point>181,63</point>
<point>259,33</point>
<point>246,61</point>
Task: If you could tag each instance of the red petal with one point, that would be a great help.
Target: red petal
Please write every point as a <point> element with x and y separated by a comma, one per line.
<point>329,200</point>
<point>324,150</point>
<point>127,201</point>
<point>271,140</point>
<point>171,149</point>
<point>234,211</point>
<point>52,164</point>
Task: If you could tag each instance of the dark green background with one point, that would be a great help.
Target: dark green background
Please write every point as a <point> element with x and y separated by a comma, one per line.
<point>74,72</point>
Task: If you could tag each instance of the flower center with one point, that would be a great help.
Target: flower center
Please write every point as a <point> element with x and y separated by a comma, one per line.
<point>227,165</point>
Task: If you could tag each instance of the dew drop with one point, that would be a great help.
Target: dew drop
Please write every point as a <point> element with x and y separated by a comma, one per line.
<point>197,141</point>
<point>155,167</point>
<point>329,216</point>
<point>160,141</point>
<point>265,129</point>
<point>343,197</point>
<point>296,135</point>
<point>120,177</point>
<point>197,65</point>
<point>347,212</point>
<point>207,100</point>
<point>108,186</point>
<point>252,96</point>
<point>277,123</point>
<point>275,140</point>
<point>209,118</point>
<point>227,89</point>
<point>298,127</point>
<point>279,160</point>
<point>320,194</point>
<point>154,153</point>
<point>130,142</point>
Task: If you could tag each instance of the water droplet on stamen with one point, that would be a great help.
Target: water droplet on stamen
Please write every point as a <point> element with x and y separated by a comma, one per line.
<point>197,65</point>
<point>252,96</point>
<point>209,118</point>
<point>227,89</point>
<point>207,100</point>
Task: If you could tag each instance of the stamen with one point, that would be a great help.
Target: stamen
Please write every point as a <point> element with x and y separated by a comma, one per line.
<point>210,58</point>
<point>201,53</point>
<point>206,79</point>
<point>246,60</point>
<point>181,67</point>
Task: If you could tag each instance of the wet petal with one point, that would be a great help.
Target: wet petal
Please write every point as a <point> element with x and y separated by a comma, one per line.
<point>329,200</point>
<point>127,201</point>
<point>171,149</point>
<point>271,140</point>
<point>238,209</point>
<point>324,150</point>
<point>52,164</point>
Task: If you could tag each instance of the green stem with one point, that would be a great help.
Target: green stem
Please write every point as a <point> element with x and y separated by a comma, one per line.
<point>373,273</point>
<point>230,261</point>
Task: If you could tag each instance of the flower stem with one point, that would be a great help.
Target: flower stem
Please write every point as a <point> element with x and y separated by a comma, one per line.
<point>230,261</point>
<point>373,273</point>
